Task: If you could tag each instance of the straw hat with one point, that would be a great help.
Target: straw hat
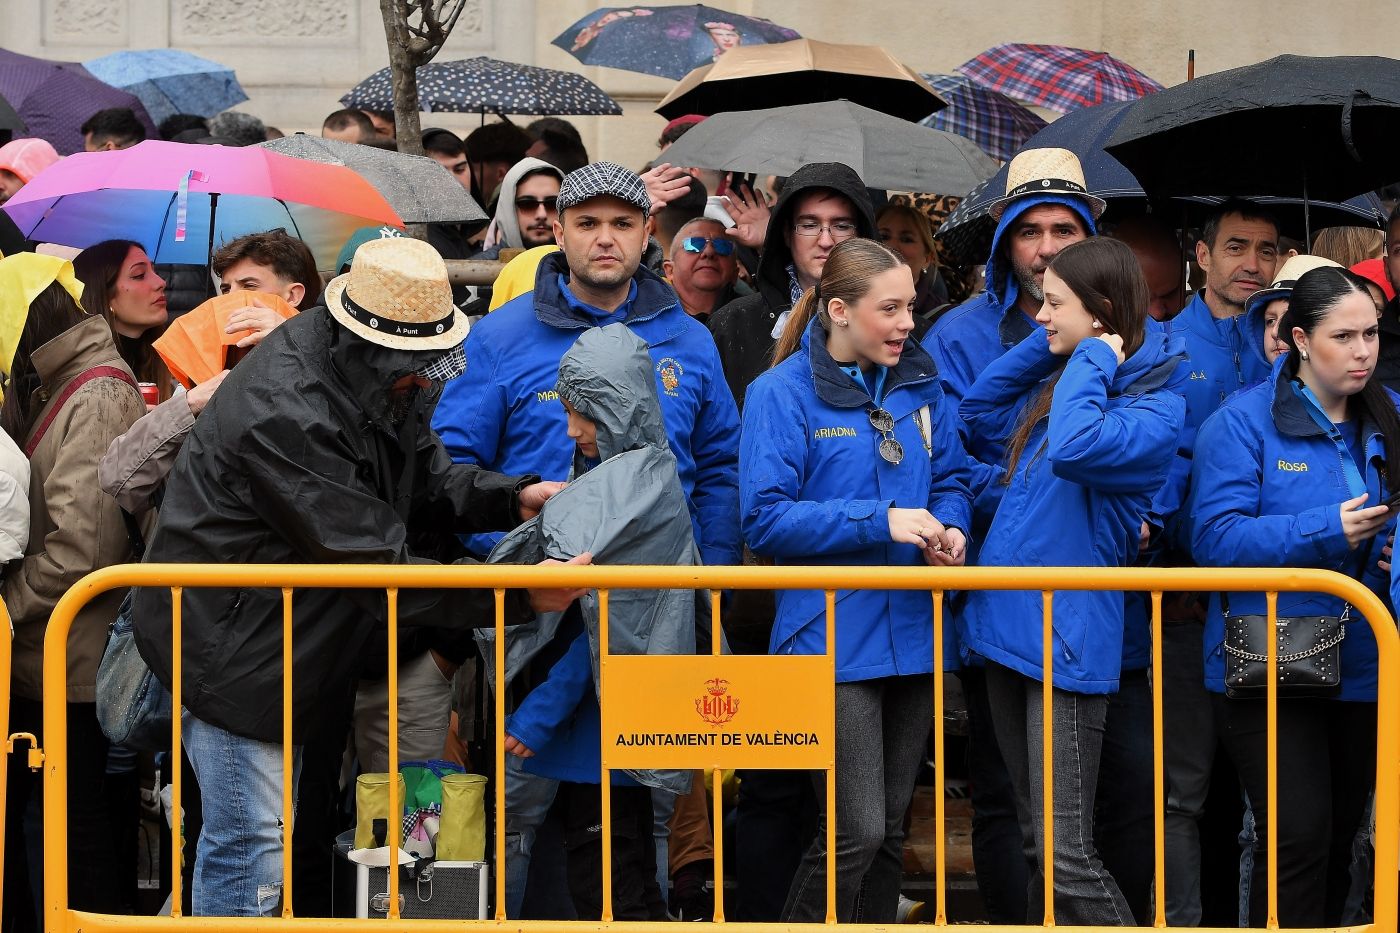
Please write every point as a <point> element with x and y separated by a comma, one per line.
<point>1286,277</point>
<point>396,294</point>
<point>1045,171</point>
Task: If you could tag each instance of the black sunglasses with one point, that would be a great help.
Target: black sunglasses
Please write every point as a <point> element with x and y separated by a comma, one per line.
<point>533,204</point>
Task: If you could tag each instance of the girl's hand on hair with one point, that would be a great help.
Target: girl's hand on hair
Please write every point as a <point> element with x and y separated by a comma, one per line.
<point>950,550</point>
<point>1116,342</point>
<point>200,395</point>
<point>1360,524</point>
<point>915,526</point>
<point>258,318</point>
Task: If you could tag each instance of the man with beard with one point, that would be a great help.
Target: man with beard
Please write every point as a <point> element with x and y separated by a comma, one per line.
<point>525,210</point>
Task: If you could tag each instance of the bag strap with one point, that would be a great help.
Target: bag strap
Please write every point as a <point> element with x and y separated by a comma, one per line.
<point>924,420</point>
<point>97,372</point>
<point>1346,607</point>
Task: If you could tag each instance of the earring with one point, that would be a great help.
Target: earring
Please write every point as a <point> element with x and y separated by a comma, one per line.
<point>843,323</point>
<point>1303,354</point>
<point>1097,325</point>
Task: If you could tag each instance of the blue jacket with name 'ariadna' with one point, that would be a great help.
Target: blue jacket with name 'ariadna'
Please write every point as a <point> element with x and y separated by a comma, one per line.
<point>504,412</point>
<point>1082,489</point>
<point>1267,487</point>
<point>814,490</point>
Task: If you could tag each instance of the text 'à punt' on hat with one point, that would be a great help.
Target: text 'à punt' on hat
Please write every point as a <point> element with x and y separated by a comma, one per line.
<point>1046,171</point>
<point>397,295</point>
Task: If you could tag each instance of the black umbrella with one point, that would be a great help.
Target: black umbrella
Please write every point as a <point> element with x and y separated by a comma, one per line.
<point>485,85</point>
<point>1293,125</point>
<point>11,126</point>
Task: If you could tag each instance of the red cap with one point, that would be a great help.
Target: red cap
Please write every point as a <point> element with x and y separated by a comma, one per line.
<point>689,119</point>
<point>1374,269</point>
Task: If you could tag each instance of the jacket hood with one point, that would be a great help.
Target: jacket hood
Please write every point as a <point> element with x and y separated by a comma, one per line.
<point>607,377</point>
<point>1000,281</point>
<point>1151,367</point>
<point>505,226</point>
<point>1253,323</point>
<point>772,267</point>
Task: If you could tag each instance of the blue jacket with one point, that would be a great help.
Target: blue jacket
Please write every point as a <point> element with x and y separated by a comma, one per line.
<point>504,411</point>
<point>1108,445</point>
<point>1223,356</point>
<point>1267,485</point>
<point>814,490</point>
<point>965,340</point>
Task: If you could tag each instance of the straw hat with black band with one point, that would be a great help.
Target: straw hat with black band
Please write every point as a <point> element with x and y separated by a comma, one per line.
<point>1288,275</point>
<point>396,294</point>
<point>1045,171</point>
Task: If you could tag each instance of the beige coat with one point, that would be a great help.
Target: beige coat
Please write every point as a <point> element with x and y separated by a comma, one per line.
<point>75,528</point>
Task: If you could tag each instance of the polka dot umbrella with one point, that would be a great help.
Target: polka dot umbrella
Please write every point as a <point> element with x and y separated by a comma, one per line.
<point>486,85</point>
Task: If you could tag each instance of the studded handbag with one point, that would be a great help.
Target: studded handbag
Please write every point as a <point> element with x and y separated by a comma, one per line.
<point>1309,654</point>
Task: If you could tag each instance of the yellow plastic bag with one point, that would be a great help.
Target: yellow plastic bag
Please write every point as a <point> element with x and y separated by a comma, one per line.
<point>372,803</point>
<point>462,833</point>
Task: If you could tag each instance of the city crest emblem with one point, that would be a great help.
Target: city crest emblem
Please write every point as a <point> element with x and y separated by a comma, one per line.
<point>670,372</point>
<point>716,707</point>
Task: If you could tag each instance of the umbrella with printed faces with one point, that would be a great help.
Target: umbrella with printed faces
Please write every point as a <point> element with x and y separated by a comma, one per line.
<point>803,71</point>
<point>1057,77</point>
<point>170,81</point>
<point>419,189</point>
<point>668,41</point>
<point>885,151</point>
<point>182,201</point>
<point>989,118</point>
<point>54,99</point>
<point>487,85</point>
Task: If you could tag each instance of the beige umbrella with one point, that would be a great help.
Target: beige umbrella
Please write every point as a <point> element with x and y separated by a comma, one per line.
<point>803,71</point>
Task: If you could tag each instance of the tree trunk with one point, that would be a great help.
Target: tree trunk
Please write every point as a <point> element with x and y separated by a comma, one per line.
<point>407,128</point>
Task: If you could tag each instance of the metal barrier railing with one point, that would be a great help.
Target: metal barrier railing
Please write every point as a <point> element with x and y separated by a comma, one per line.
<point>657,674</point>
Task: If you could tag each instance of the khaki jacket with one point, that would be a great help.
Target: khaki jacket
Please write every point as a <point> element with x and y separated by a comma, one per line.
<point>74,527</point>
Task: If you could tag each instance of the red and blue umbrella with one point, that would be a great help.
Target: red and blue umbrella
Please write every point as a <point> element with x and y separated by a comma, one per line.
<point>182,201</point>
<point>669,41</point>
<point>54,99</point>
<point>1057,77</point>
<point>169,81</point>
<point>995,122</point>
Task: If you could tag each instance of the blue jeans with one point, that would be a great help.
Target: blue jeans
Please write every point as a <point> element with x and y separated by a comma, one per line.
<point>1085,893</point>
<point>528,799</point>
<point>238,872</point>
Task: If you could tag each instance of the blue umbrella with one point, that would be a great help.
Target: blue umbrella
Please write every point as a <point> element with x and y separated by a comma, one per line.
<point>995,122</point>
<point>169,81</point>
<point>669,41</point>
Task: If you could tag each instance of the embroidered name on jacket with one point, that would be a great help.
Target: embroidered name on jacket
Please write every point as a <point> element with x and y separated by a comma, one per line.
<point>550,396</point>
<point>1288,466</point>
<point>823,433</point>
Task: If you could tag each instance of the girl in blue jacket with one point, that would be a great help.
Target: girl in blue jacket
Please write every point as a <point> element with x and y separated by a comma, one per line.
<point>1292,473</point>
<point>849,454</point>
<point>1093,428</point>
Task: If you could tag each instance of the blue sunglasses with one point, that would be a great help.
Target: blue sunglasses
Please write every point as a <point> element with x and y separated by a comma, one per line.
<point>696,244</point>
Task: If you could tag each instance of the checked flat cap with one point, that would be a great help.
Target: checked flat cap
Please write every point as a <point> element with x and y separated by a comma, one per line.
<point>603,178</point>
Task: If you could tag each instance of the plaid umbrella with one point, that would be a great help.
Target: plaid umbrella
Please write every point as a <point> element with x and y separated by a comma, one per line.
<point>670,41</point>
<point>485,85</point>
<point>169,81</point>
<point>419,189</point>
<point>989,118</point>
<point>55,99</point>
<point>1057,76</point>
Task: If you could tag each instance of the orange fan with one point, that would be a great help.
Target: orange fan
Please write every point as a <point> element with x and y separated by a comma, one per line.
<point>195,345</point>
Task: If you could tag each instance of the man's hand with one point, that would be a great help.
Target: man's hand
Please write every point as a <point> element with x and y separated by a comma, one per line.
<point>517,748</point>
<point>258,318</point>
<point>664,184</point>
<point>200,395</point>
<point>751,214</point>
<point>532,498</point>
<point>543,600</point>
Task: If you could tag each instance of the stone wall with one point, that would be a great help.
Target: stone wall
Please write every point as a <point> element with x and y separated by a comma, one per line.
<point>296,57</point>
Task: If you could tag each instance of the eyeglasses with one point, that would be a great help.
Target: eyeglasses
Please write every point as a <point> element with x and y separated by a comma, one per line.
<point>891,450</point>
<point>696,244</point>
<point>840,230</point>
<point>533,204</point>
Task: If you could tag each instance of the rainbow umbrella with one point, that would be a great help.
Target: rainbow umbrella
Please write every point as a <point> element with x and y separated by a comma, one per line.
<point>182,201</point>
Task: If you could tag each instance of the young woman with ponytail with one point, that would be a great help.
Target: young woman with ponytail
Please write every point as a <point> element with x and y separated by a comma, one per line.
<point>1088,403</point>
<point>850,455</point>
<point>1294,473</point>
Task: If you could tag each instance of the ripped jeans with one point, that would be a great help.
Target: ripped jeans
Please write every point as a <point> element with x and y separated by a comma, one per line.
<point>238,872</point>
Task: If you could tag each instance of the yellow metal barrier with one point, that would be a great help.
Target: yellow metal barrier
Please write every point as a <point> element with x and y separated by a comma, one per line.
<point>60,919</point>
